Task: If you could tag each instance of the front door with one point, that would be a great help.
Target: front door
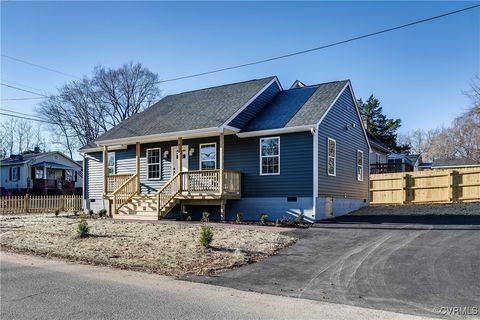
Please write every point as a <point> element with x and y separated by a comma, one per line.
<point>175,159</point>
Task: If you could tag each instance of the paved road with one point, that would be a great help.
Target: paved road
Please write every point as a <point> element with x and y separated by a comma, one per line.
<point>34,288</point>
<point>402,264</point>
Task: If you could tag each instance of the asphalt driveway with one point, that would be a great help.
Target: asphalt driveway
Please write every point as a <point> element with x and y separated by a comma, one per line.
<point>398,263</point>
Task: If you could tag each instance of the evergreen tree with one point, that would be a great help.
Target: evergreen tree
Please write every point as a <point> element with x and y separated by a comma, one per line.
<point>383,128</point>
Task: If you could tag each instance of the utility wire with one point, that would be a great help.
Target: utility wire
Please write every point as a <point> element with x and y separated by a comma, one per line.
<point>17,88</point>
<point>24,114</point>
<point>322,47</point>
<point>14,99</point>
<point>26,118</point>
<point>39,66</point>
<point>24,85</point>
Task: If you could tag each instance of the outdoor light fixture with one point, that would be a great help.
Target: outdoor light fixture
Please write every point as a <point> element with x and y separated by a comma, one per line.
<point>192,151</point>
<point>165,154</point>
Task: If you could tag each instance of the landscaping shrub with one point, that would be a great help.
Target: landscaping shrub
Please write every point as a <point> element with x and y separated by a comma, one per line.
<point>83,228</point>
<point>90,213</point>
<point>57,212</point>
<point>206,236</point>
<point>264,218</point>
<point>102,213</point>
<point>239,217</point>
<point>185,216</point>
<point>300,218</point>
<point>205,216</point>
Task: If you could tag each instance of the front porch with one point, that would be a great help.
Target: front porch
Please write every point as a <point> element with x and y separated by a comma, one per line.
<point>184,187</point>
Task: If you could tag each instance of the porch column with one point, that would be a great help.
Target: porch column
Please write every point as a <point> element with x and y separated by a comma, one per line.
<point>137,164</point>
<point>222,165</point>
<point>180,161</point>
<point>105,170</point>
<point>45,179</point>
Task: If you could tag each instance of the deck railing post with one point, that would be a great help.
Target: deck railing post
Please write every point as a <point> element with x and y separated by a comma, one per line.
<point>222,164</point>
<point>25,203</point>
<point>105,170</point>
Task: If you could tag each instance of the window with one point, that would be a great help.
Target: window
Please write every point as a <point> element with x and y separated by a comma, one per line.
<point>270,156</point>
<point>111,163</point>
<point>14,173</point>
<point>208,156</point>
<point>359,165</point>
<point>332,157</point>
<point>153,163</point>
<point>38,173</point>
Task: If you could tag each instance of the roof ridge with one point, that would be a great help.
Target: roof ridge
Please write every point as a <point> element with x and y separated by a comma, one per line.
<point>323,83</point>
<point>219,86</point>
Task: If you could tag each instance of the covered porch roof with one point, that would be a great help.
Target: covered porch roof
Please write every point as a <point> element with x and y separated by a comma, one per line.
<point>52,165</point>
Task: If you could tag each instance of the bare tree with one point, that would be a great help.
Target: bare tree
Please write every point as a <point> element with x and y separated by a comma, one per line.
<point>85,109</point>
<point>17,136</point>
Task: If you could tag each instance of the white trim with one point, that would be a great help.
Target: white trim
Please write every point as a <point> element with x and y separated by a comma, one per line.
<point>233,129</point>
<point>359,116</point>
<point>275,131</point>
<point>356,165</point>
<point>114,162</point>
<point>200,154</point>
<point>173,160</point>
<point>187,134</point>
<point>260,158</point>
<point>160,156</point>
<point>250,101</point>
<point>112,148</point>
<point>334,157</point>
<point>315,172</point>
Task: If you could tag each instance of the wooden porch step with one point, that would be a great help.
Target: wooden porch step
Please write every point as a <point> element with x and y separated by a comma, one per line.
<point>135,217</point>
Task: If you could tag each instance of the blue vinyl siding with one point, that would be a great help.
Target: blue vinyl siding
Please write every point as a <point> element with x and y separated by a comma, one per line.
<point>93,176</point>
<point>253,108</point>
<point>296,166</point>
<point>334,125</point>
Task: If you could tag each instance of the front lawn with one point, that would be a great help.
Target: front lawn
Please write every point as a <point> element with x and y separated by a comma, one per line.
<point>172,249</point>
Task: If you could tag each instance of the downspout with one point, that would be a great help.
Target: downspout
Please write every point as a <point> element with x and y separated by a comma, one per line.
<point>315,170</point>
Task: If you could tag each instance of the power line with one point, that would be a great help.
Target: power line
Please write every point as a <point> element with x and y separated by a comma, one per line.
<point>26,118</point>
<point>40,66</point>
<point>17,88</point>
<point>25,114</point>
<point>323,46</point>
<point>14,99</point>
<point>24,85</point>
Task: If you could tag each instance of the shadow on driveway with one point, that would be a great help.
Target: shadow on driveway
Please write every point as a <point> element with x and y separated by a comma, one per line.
<point>398,263</point>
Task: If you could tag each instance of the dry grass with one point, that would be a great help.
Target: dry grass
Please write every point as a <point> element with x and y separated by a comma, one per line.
<point>172,250</point>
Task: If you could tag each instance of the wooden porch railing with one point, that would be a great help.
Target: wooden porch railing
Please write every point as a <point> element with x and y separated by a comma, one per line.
<point>168,192</point>
<point>209,181</point>
<point>124,192</point>
<point>114,181</point>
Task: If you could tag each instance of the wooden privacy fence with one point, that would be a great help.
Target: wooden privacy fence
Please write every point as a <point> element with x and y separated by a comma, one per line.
<point>460,185</point>
<point>28,203</point>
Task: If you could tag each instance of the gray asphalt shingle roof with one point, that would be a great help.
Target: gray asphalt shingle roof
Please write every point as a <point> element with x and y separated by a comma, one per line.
<point>454,163</point>
<point>205,108</point>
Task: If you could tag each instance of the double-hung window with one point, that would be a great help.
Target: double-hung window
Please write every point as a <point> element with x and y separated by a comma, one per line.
<point>270,156</point>
<point>111,163</point>
<point>332,157</point>
<point>208,156</point>
<point>153,163</point>
<point>359,165</point>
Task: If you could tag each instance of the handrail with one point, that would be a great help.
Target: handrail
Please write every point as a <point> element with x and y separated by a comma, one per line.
<point>168,192</point>
<point>114,181</point>
<point>124,192</point>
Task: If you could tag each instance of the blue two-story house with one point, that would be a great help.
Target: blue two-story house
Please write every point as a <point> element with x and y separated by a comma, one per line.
<point>250,147</point>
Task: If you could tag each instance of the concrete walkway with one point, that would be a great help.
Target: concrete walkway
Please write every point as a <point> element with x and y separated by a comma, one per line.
<point>35,288</point>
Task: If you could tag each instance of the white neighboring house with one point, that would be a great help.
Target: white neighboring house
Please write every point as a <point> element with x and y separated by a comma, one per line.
<point>38,172</point>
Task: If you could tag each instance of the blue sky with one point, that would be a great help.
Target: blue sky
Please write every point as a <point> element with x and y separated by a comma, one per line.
<point>418,73</point>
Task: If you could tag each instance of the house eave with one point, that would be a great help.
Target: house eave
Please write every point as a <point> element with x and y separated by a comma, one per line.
<point>260,133</point>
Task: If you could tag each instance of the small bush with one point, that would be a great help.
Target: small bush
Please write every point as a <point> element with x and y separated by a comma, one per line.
<point>239,217</point>
<point>83,228</point>
<point>57,212</point>
<point>206,236</point>
<point>299,218</point>
<point>185,216</point>
<point>90,213</point>
<point>205,216</point>
<point>102,213</point>
<point>264,218</point>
